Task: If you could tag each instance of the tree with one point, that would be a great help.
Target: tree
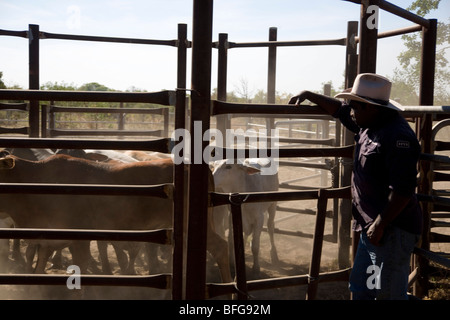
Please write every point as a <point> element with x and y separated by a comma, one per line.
<point>406,79</point>
<point>94,86</point>
<point>57,86</point>
<point>2,84</point>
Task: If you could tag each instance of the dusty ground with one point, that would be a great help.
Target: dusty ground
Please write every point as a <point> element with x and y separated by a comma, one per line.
<point>294,254</point>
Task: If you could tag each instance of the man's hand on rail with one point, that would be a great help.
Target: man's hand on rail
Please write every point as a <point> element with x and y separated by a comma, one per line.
<point>298,99</point>
<point>329,104</point>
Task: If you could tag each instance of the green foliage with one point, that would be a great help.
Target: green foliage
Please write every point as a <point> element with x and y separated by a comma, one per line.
<point>406,79</point>
<point>2,84</point>
<point>94,86</point>
<point>58,86</point>
<point>423,7</point>
<point>259,97</point>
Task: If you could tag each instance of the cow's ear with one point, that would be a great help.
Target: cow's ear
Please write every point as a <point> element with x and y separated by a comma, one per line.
<point>252,170</point>
<point>4,153</point>
<point>96,157</point>
<point>7,163</point>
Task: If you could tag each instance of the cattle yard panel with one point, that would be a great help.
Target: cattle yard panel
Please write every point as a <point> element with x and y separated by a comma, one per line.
<point>236,200</point>
<point>367,63</point>
<point>166,98</point>
<point>220,107</point>
<point>313,278</point>
<point>224,121</point>
<point>48,128</point>
<point>200,98</point>
<point>14,107</point>
<point>160,145</point>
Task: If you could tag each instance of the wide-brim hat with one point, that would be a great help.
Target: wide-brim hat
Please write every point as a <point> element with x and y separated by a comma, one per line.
<point>373,89</point>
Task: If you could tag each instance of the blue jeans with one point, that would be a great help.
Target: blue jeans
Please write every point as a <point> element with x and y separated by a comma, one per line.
<point>381,272</point>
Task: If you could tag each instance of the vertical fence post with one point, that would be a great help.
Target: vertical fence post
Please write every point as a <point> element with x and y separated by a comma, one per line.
<point>345,214</point>
<point>121,118</point>
<point>33,77</point>
<point>271,75</point>
<point>166,116</point>
<point>239,249</point>
<point>223,121</point>
<point>425,127</point>
<point>198,169</point>
<point>368,38</point>
<point>314,267</point>
<point>179,219</point>
<point>44,117</point>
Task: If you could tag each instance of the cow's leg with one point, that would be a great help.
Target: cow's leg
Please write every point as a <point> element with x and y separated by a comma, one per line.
<point>220,216</point>
<point>255,252</point>
<point>29,255</point>
<point>134,248</point>
<point>132,254</point>
<point>16,254</point>
<point>57,259</point>
<point>4,254</point>
<point>122,258</point>
<point>271,229</point>
<point>81,254</point>
<point>43,254</point>
<point>152,258</point>
<point>103,254</point>
<point>218,248</point>
<point>255,244</point>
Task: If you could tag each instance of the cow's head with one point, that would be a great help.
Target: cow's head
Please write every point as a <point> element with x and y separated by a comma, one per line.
<point>7,163</point>
<point>232,177</point>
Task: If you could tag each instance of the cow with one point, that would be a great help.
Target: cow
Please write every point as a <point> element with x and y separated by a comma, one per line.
<point>65,211</point>
<point>146,156</point>
<point>245,176</point>
<point>5,222</point>
<point>32,245</point>
<point>119,247</point>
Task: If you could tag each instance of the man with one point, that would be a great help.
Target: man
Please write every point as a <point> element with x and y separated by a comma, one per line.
<point>384,205</point>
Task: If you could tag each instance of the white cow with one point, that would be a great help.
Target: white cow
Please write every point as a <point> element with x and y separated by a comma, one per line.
<point>5,222</point>
<point>246,177</point>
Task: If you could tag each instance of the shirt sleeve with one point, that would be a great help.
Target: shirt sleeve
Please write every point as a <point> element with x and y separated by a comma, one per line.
<point>343,114</point>
<point>401,160</point>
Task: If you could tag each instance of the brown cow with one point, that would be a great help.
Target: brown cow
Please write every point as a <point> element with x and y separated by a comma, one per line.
<point>91,211</point>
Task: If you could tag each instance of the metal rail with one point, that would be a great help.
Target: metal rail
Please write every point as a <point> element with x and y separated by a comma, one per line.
<point>160,145</point>
<point>264,44</point>
<point>60,36</point>
<point>161,236</point>
<point>166,97</point>
<point>159,281</point>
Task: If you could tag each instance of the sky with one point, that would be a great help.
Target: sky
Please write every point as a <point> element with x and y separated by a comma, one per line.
<point>153,68</point>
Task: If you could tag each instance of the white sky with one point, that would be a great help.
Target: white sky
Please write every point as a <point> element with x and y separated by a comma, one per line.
<point>153,68</point>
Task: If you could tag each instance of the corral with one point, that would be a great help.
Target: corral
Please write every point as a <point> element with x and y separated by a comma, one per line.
<point>188,279</point>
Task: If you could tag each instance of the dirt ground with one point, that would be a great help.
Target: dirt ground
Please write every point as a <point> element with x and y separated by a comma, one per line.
<point>294,254</point>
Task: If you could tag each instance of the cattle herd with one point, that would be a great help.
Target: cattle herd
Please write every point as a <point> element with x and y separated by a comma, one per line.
<point>100,167</point>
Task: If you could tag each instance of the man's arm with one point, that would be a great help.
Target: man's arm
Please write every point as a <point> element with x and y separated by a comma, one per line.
<point>396,203</point>
<point>329,104</point>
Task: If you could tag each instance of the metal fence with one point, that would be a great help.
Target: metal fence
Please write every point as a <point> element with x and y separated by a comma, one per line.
<point>193,285</point>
